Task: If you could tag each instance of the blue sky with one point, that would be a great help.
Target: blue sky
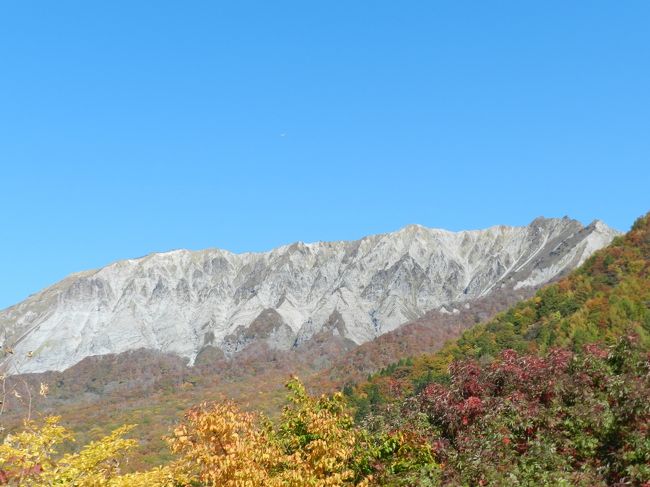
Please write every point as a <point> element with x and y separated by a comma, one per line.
<point>131,127</point>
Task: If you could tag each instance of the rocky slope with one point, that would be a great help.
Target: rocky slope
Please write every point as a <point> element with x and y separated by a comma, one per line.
<point>185,302</point>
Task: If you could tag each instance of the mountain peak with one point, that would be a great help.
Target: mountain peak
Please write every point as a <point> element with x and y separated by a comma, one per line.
<point>602,227</point>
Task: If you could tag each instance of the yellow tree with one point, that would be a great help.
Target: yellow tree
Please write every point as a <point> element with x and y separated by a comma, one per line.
<point>318,439</point>
<point>221,445</point>
<point>313,444</point>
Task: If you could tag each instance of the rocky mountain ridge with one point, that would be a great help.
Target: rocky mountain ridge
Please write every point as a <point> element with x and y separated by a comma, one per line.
<point>183,302</point>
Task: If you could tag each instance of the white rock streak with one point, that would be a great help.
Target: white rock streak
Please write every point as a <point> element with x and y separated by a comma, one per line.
<point>182,300</point>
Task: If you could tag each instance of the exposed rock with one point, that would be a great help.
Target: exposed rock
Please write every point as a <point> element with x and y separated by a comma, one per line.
<point>184,301</point>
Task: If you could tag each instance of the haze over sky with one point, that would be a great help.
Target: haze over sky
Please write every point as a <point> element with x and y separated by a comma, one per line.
<point>131,127</point>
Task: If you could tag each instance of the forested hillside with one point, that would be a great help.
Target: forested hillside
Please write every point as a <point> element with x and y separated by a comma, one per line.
<point>552,392</point>
<point>606,298</point>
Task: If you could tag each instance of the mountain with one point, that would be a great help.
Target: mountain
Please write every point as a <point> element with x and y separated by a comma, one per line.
<point>192,302</point>
<point>607,298</point>
<point>553,391</point>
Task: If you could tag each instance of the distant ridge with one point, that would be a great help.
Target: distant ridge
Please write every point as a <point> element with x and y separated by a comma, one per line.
<point>185,302</point>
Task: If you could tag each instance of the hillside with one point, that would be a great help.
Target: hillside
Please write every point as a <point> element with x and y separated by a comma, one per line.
<point>606,298</point>
<point>249,365</point>
<point>551,392</point>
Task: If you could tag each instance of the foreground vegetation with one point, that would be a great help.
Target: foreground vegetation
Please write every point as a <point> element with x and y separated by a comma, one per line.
<point>313,443</point>
<point>553,392</point>
<point>564,419</point>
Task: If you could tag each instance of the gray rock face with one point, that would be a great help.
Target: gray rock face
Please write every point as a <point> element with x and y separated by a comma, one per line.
<point>183,301</point>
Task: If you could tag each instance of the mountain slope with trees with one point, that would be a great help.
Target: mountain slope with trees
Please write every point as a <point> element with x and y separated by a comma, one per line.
<point>551,392</point>
<point>606,298</point>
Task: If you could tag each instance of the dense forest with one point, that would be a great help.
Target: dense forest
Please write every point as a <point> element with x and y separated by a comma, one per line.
<point>552,392</point>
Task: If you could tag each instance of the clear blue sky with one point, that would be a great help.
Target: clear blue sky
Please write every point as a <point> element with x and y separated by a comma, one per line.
<point>128,127</point>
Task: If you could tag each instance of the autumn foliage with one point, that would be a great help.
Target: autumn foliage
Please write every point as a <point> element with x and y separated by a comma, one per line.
<point>313,443</point>
<point>31,458</point>
<point>552,392</point>
<point>566,418</point>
